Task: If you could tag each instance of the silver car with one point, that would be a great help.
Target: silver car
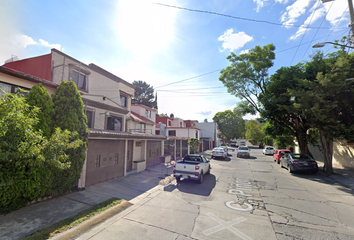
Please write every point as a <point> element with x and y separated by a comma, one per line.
<point>243,151</point>
<point>218,152</point>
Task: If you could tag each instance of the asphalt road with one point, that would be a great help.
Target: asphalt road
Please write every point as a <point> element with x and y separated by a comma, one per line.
<point>241,199</point>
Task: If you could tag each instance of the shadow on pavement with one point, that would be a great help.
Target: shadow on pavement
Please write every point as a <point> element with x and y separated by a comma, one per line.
<point>192,187</point>
<point>222,160</point>
<point>343,179</point>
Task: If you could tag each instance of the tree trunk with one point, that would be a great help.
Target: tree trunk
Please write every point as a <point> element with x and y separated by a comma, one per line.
<point>327,146</point>
<point>302,140</point>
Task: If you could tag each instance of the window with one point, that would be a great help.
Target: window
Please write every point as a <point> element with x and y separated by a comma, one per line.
<point>89,115</point>
<point>148,113</point>
<point>142,127</point>
<point>172,133</point>
<point>123,101</point>
<point>196,134</point>
<point>169,123</point>
<point>180,124</point>
<point>114,123</point>
<point>79,79</point>
<point>9,88</point>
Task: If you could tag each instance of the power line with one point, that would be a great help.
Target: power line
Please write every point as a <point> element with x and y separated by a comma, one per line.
<point>317,31</point>
<point>189,78</point>
<point>230,16</point>
<point>318,3</point>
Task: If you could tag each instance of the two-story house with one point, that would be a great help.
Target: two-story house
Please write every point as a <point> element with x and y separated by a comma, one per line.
<point>113,150</point>
<point>178,133</point>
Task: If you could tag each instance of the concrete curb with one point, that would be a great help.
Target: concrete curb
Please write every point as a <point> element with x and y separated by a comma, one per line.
<point>86,225</point>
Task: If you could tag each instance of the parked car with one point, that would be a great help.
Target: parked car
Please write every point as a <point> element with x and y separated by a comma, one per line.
<point>279,153</point>
<point>268,150</point>
<point>261,145</point>
<point>298,162</point>
<point>225,149</point>
<point>218,152</point>
<point>243,151</point>
<point>233,143</point>
<point>192,166</point>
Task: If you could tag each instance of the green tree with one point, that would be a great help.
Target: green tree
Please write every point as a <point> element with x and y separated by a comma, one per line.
<point>206,120</point>
<point>27,158</point>
<point>254,131</point>
<point>327,102</point>
<point>39,97</point>
<point>194,144</point>
<point>279,110</point>
<point>144,94</point>
<point>69,115</point>
<point>247,75</point>
<point>231,125</point>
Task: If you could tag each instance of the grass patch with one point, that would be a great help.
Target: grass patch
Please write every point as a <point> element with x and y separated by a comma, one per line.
<point>73,221</point>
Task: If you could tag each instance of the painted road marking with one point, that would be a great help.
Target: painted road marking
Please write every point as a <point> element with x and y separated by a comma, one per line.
<point>238,192</point>
<point>227,225</point>
<point>249,206</point>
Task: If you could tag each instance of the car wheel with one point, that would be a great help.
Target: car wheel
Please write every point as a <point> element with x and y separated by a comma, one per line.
<point>278,161</point>
<point>289,169</point>
<point>212,156</point>
<point>178,179</point>
<point>200,180</point>
<point>208,172</point>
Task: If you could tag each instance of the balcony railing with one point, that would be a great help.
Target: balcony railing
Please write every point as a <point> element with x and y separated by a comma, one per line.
<point>138,130</point>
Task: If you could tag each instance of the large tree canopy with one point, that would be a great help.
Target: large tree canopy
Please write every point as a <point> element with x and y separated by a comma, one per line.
<point>247,75</point>
<point>144,94</point>
<point>230,125</point>
<point>327,102</point>
<point>254,132</point>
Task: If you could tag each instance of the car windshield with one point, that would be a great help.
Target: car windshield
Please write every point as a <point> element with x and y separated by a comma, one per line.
<point>269,148</point>
<point>243,148</point>
<point>300,156</point>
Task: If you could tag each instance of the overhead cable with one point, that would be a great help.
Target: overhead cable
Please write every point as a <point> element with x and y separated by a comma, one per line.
<point>318,3</point>
<point>230,16</point>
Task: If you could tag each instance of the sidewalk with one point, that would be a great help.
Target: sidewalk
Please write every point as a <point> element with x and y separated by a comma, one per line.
<point>24,222</point>
<point>132,188</point>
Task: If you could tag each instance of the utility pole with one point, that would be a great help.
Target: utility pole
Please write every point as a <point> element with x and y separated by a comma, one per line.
<point>351,13</point>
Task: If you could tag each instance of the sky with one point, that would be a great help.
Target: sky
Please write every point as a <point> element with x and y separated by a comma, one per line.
<point>178,47</point>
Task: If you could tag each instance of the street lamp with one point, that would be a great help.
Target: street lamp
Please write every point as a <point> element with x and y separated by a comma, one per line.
<point>321,44</point>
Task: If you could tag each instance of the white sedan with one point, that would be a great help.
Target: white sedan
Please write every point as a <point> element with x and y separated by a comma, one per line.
<point>268,151</point>
<point>218,152</point>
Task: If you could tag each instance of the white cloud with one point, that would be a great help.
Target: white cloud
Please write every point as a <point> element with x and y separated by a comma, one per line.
<point>47,44</point>
<point>23,41</point>
<point>244,51</point>
<point>313,17</point>
<point>234,41</point>
<point>336,11</point>
<point>294,11</point>
<point>263,3</point>
<point>260,4</point>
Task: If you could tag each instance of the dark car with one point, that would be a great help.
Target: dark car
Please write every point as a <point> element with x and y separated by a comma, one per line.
<point>261,145</point>
<point>298,162</point>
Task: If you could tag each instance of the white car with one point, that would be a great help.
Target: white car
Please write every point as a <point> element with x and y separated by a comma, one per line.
<point>219,152</point>
<point>268,151</point>
<point>243,151</point>
<point>225,149</point>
